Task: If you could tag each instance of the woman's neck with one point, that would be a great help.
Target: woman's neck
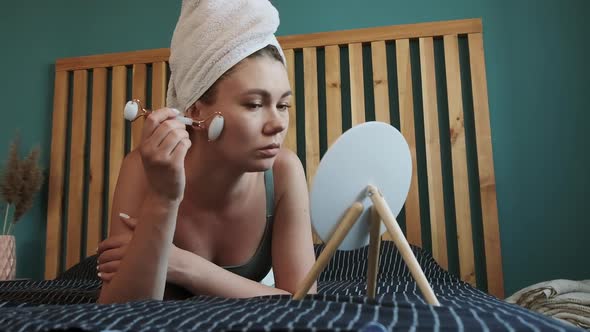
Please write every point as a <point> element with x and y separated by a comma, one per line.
<point>210,183</point>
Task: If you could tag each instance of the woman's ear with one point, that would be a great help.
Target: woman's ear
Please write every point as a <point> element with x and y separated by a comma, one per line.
<point>212,123</point>
<point>193,111</point>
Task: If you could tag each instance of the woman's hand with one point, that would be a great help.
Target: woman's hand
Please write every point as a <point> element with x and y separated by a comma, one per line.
<point>163,147</point>
<point>112,250</point>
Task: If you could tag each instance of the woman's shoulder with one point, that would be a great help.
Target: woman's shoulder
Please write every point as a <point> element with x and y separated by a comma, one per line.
<point>286,163</point>
<point>288,171</point>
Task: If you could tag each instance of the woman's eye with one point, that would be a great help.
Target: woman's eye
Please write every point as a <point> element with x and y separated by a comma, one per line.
<point>284,107</point>
<point>254,105</point>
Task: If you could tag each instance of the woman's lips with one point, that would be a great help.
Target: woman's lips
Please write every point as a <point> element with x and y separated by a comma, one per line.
<point>269,151</point>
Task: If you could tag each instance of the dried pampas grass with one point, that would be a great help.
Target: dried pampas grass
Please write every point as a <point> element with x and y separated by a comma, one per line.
<point>19,183</point>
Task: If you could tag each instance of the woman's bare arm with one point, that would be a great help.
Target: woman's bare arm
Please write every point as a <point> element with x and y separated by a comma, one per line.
<point>292,242</point>
<point>150,186</point>
<point>145,258</point>
<point>200,276</point>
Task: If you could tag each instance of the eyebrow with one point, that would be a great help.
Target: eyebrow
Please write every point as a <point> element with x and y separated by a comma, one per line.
<point>264,93</point>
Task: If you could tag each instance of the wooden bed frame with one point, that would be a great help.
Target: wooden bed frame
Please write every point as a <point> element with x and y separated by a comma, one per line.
<point>427,79</point>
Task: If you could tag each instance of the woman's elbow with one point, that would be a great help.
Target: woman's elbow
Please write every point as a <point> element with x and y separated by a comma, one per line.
<point>103,298</point>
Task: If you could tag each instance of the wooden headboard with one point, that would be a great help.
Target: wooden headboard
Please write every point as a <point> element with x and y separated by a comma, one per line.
<point>427,79</point>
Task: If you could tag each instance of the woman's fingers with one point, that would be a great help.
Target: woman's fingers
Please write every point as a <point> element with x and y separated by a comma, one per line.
<point>112,255</point>
<point>165,174</point>
<point>128,221</point>
<point>172,140</point>
<point>106,277</point>
<point>153,121</point>
<point>108,263</point>
<point>162,131</point>
<point>113,242</point>
<point>110,267</point>
<point>110,243</point>
<point>112,250</point>
<point>181,149</point>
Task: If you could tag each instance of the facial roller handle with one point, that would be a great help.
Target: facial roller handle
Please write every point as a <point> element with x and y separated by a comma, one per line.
<point>185,120</point>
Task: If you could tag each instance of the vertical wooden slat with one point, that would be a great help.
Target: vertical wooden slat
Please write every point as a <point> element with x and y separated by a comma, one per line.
<point>117,148</point>
<point>138,92</point>
<point>97,155</point>
<point>459,160</point>
<point>487,180</point>
<point>312,133</point>
<point>380,88</point>
<point>76,176</point>
<point>407,124</point>
<point>56,175</point>
<point>291,139</point>
<point>333,93</point>
<point>380,83</point>
<point>433,159</point>
<point>159,85</point>
<point>357,87</point>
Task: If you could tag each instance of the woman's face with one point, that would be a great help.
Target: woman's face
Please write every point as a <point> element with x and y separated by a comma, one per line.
<point>254,101</point>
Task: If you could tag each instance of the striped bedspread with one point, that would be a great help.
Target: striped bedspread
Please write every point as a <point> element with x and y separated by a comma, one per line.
<point>67,303</point>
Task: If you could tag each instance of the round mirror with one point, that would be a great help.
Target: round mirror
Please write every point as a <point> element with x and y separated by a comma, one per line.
<point>373,153</point>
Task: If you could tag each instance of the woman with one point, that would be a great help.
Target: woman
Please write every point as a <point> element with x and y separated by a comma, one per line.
<point>194,212</point>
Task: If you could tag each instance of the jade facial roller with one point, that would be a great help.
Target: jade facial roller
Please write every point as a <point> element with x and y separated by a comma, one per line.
<point>133,111</point>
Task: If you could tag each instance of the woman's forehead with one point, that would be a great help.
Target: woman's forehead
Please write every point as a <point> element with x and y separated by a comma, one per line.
<point>259,73</point>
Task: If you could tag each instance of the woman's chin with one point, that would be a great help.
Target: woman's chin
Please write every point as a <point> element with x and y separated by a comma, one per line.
<point>260,165</point>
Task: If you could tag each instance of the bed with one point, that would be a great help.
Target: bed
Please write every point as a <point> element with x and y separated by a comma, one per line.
<point>427,79</point>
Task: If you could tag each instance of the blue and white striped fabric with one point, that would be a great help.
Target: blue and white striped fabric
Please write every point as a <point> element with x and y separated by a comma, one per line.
<point>68,304</point>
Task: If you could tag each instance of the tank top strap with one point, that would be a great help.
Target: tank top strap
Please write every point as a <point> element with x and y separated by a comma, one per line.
<point>270,194</point>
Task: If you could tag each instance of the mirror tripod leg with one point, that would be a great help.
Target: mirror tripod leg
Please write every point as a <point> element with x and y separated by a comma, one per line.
<point>374,244</point>
<point>344,226</point>
<point>402,245</point>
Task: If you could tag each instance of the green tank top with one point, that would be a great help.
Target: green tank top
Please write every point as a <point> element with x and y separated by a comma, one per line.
<point>260,264</point>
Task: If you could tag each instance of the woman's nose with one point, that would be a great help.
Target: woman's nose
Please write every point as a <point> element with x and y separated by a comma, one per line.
<point>275,123</point>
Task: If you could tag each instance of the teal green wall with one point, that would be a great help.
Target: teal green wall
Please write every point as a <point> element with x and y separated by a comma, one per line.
<point>538,78</point>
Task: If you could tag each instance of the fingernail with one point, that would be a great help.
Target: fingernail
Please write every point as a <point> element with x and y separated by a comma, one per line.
<point>176,111</point>
<point>97,268</point>
<point>99,275</point>
<point>123,215</point>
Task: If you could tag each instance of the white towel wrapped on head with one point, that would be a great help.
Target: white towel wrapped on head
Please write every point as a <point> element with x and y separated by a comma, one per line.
<point>211,36</point>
